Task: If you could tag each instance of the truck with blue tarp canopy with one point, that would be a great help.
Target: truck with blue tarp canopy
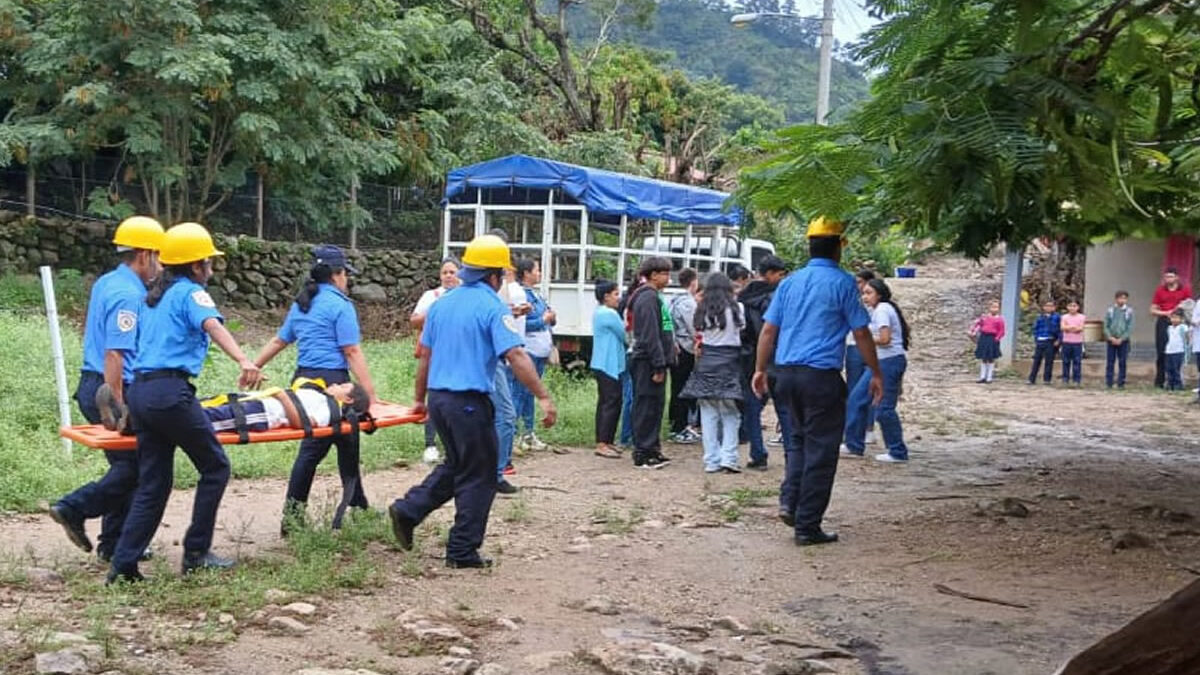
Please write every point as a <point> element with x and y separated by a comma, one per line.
<point>584,224</point>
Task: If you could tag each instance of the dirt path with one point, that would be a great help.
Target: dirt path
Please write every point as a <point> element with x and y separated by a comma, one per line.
<point>700,563</point>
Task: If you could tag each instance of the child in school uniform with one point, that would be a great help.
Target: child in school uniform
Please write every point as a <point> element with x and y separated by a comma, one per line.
<point>1046,335</point>
<point>988,330</point>
<point>1177,345</point>
<point>1072,343</point>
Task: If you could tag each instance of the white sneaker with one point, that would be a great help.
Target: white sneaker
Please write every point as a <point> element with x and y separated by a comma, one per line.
<point>888,459</point>
<point>431,455</point>
<point>847,452</point>
<point>870,438</point>
<point>532,442</point>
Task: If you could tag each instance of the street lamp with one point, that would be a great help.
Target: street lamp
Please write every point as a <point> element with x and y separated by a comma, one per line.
<point>826,60</point>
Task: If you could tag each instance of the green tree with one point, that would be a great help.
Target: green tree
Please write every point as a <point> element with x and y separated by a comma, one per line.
<point>1001,121</point>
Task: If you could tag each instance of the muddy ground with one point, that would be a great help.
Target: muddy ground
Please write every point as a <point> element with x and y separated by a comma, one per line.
<point>1076,507</point>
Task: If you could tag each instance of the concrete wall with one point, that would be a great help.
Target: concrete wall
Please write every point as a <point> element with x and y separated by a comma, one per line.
<point>1132,265</point>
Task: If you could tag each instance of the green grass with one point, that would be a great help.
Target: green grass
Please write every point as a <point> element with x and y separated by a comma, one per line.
<point>34,467</point>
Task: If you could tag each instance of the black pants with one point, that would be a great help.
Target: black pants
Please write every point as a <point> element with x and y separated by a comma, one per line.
<point>681,408</point>
<point>314,450</point>
<point>608,407</point>
<point>166,415</point>
<point>464,421</point>
<point>1043,352</point>
<point>816,400</point>
<point>1160,350</point>
<point>109,497</point>
<point>648,399</point>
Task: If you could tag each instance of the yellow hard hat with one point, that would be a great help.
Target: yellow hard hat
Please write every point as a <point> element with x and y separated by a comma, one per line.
<point>823,226</point>
<point>139,232</point>
<point>186,243</point>
<point>489,252</point>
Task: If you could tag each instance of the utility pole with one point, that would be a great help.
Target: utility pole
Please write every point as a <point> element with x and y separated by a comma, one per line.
<point>826,63</point>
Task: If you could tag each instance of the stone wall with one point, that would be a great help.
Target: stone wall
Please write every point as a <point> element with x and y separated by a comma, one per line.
<point>253,273</point>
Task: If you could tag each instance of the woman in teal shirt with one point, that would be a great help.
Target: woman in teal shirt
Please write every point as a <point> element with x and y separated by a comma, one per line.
<point>608,363</point>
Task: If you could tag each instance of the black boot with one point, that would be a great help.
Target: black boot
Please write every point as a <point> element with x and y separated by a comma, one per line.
<point>204,560</point>
<point>72,524</point>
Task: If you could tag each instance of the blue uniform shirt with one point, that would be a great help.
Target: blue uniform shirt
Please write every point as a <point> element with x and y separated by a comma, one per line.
<point>467,330</point>
<point>1047,327</point>
<point>112,319</point>
<point>330,324</point>
<point>172,336</point>
<point>814,308</point>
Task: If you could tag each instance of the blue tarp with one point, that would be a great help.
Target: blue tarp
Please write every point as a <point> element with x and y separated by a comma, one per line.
<point>602,192</point>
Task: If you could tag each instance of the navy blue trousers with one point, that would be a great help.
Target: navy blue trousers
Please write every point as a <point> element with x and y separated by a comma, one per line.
<point>816,401</point>
<point>166,415</point>
<point>314,450</point>
<point>464,422</point>
<point>1043,352</point>
<point>109,497</point>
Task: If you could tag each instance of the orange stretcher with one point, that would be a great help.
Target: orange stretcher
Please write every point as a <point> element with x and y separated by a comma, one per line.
<point>390,414</point>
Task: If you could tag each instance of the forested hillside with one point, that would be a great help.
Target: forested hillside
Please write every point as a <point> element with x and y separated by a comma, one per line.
<point>773,58</point>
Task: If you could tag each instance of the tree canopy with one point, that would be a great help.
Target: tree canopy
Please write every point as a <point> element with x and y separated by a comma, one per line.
<point>1006,120</point>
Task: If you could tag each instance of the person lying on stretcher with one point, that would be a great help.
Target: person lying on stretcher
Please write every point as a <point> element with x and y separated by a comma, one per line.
<point>307,403</point>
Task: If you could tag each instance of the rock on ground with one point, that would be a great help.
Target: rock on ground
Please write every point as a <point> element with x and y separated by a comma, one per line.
<point>287,624</point>
<point>456,666</point>
<point>639,657</point>
<point>336,671</point>
<point>300,609</point>
<point>62,662</point>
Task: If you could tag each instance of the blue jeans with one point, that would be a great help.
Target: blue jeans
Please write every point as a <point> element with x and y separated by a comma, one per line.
<point>854,370</point>
<point>1117,354</point>
<point>751,423</point>
<point>889,421</point>
<point>626,408</point>
<point>1072,357</point>
<point>1043,353</point>
<point>1175,371</point>
<point>523,398</point>
<point>506,418</point>
<point>719,428</point>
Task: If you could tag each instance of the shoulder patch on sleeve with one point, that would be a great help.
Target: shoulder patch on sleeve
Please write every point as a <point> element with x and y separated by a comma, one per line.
<point>126,320</point>
<point>203,299</point>
<point>511,323</point>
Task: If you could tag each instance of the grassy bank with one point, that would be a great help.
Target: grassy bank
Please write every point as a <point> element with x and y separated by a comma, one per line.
<point>34,467</point>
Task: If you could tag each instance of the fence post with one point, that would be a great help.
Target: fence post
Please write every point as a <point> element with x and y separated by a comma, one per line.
<point>258,215</point>
<point>30,189</point>
<point>60,368</point>
<point>354,214</point>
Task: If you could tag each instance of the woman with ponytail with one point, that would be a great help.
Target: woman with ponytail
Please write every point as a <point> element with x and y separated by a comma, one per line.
<point>324,324</point>
<point>892,339</point>
<point>175,326</point>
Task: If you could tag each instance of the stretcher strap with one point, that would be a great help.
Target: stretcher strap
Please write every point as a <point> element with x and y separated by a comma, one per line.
<point>335,415</point>
<point>304,421</point>
<point>239,418</point>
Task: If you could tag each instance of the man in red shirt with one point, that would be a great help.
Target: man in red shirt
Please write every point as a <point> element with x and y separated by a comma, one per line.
<point>1166,298</point>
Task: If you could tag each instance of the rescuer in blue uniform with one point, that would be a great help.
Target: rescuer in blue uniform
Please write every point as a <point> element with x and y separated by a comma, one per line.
<point>109,340</point>
<point>176,322</point>
<point>805,331</point>
<point>324,325</point>
<point>465,333</point>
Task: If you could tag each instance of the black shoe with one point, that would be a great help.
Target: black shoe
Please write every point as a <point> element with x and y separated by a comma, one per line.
<point>402,528</point>
<point>106,556</point>
<point>206,560</point>
<point>787,518</point>
<point>473,564</point>
<point>651,462</point>
<point>816,537</point>
<point>115,577</point>
<point>757,464</point>
<point>506,488</point>
<point>72,524</point>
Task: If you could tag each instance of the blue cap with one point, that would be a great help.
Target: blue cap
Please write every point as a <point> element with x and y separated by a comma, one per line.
<point>335,257</point>
<point>470,275</point>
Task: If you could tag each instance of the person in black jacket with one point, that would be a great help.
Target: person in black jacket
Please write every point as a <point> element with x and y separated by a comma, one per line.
<point>651,356</point>
<point>755,298</point>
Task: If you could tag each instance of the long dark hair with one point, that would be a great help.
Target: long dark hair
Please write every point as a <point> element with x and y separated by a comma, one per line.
<point>524,266</point>
<point>885,295</point>
<point>165,279</point>
<point>649,266</point>
<point>319,274</point>
<point>718,297</point>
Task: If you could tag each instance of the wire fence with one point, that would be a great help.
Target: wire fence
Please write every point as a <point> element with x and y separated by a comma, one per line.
<point>405,217</point>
